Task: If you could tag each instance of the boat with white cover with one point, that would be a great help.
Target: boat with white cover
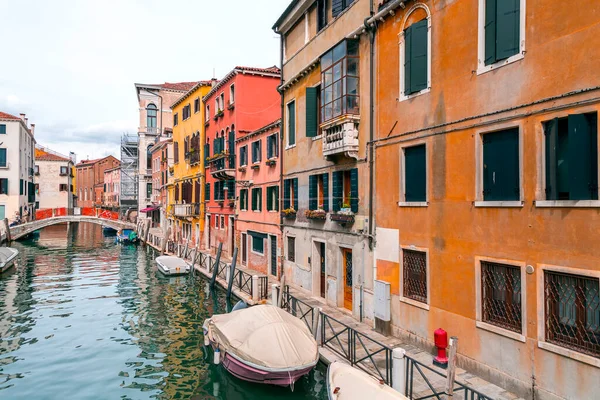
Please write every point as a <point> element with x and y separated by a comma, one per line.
<point>346,382</point>
<point>171,265</point>
<point>8,257</point>
<point>263,344</point>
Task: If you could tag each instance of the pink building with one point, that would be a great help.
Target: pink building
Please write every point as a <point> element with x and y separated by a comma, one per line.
<point>162,160</point>
<point>112,188</point>
<point>258,175</point>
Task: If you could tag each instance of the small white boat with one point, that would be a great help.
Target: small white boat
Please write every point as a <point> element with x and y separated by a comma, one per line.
<point>170,265</point>
<point>346,382</point>
<point>8,257</point>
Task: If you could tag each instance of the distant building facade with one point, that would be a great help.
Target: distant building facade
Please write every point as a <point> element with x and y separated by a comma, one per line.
<point>17,191</point>
<point>53,179</point>
<point>90,180</point>
<point>112,188</point>
<point>162,164</point>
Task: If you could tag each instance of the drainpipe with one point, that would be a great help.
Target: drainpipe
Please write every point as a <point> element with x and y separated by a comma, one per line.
<point>371,29</point>
<point>281,146</point>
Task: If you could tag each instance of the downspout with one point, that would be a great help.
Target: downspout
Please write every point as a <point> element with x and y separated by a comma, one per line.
<point>371,29</point>
<point>281,147</point>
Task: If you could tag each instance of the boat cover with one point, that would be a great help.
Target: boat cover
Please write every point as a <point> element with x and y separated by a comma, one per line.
<point>171,262</point>
<point>266,337</point>
<point>356,384</point>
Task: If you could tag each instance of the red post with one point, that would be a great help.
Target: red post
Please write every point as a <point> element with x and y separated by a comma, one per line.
<point>440,338</point>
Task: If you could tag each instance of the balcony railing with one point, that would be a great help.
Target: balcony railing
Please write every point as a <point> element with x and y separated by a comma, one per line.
<point>341,137</point>
<point>223,166</point>
<point>187,210</point>
<point>151,130</point>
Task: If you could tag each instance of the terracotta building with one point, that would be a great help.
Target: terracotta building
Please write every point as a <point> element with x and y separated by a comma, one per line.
<point>245,100</point>
<point>112,188</point>
<point>486,166</point>
<point>90,180</point>
<point>257,177</point>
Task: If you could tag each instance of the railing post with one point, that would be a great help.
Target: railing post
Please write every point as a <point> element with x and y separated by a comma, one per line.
<point>451,366</point>
<point>280,298</point>
<point>274,294</point>
<point>315,322</point>
<point>255,287</point>
<point>399,370</point>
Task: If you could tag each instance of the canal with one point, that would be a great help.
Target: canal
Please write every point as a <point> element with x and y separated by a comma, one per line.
<point>84,318</point>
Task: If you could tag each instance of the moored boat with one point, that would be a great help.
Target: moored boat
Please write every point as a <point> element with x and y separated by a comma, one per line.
<point>171,266</point>
<point>263,344</point>
<point>127,236</point>
<point>8,258</point>
<point>346,382</point>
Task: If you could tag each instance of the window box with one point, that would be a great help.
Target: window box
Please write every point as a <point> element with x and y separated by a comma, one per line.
<point>231,204</point>
<point>317,215</point>
<point>231,106</point>
<point>242,169</point>
<point>288,213</point>
<point>219,114</point>
<point>220,202</point>
<point>255,166</point>
<point>207,122</point>
<point>342,218</point>
<point>271,162</point>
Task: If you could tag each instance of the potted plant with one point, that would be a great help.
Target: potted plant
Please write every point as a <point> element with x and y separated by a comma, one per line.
<point>255,166</point>
<point>220,202</point>
<point>319,214</point>
<point>271,162</point>
<point>231,203</point>
<point>230,106</point>
<point>288,213</point>
<point>242,168</point>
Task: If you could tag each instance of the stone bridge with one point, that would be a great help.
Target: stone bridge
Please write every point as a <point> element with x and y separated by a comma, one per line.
<point>21,230</point>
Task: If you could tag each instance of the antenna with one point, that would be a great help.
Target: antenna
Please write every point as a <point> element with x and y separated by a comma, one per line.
<point>214,73</point>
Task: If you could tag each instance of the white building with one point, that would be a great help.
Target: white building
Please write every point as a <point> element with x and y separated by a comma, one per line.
<point>53,179</point>
<point>17,194</point>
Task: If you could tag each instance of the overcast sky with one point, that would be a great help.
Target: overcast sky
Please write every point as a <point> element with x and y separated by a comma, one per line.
<point>71,65</point>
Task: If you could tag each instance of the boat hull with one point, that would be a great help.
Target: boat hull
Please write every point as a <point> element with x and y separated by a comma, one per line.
<point>172,271</point>
<point>8,258</point>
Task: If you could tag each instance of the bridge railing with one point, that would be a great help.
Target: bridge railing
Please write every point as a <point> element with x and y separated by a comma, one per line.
<point>84,211</point>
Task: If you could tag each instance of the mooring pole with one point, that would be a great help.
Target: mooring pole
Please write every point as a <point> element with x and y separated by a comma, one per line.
<point>216,266</point>
<point>451,366</point>
<point>232,272</point>
<point>7,228</point>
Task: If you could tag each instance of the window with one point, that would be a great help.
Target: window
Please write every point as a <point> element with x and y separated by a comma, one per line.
<point>63,187</point>
<point>2,129</point>
<point>256,199</point>
<point>321,14</point>
<point>345,190</point>
<point>37,188</point>
<point>501,180</point>
<point>222,222</point>
<point>572,157</point>
<point>151,112</point>
<point>2,212</point>
<point>414,50</point>
<point>207,117</point>
<point>502,29</point>
<point>217,221</point>
<point>22,188</point>
<point>186,112</point>
<point>318,192</point>
<point>337,6</point>
<point>415,174</point>
<point>244,199</point>
<point>207,192</point>
<point>256,151</point>
<point>273,198</point>
<point>572,311</point>
<point>243,156</point>
<point>3,185</point>
<point>414,275</point>
<point>148,190</point>
<point>196,106</point>
<point>313,106</point>
<point>63,170</point>
<point>219,191</point>
<point>290,194</point>
<point>272,148</point>
<point>230,190</point>
<point>501,295</point>
<point>36,169</point>
<point>291,123</point>
<point>258,242</point>
<point>222,101</point>
<point>3,160</point>
<point>149,157</point>
<point>339,80</point>
<point>291,248</point>
<point>231,94</point>
<point>175,119</point>
<point>175,152</point>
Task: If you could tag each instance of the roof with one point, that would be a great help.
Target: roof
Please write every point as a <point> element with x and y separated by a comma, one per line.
<point>271,125</point>
<point>285,13</point>
<point>4,115</point>
<point>178,86</point>
<point>42,154</point>
<point>88,162</point>
<point>189,92</point>
<point>273,71</point>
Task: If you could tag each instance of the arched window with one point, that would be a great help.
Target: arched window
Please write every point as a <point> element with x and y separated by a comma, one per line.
<point>149,157</point>
<point>415,52</point>
<point>151,116</point>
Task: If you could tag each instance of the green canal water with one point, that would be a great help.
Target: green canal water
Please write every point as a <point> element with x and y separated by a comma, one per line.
<point>83,318</point>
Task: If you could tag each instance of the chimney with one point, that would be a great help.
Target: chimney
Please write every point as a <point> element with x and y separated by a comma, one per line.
<point>32,129</point>
<point>22,115</point>
<point>26,123</point>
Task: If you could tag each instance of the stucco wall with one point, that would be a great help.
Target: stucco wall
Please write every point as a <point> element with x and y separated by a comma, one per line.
<point>49,181</point>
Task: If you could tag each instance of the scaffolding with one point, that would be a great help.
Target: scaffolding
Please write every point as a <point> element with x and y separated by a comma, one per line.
<point>129,173</point>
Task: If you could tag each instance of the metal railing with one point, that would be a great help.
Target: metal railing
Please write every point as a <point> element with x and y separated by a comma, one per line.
<point>243,281</point>
<point>297,308</point>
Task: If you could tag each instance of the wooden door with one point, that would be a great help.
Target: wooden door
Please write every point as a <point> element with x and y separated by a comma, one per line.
<point>347,262</point>
<point>244,248</point>
<point>322,265</point>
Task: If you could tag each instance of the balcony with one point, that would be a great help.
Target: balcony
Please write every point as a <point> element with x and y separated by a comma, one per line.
<point>193,157</point>
<point>187,210</point>
<point>222,166</point>
<point>151,130</point>
<point>340,136</point>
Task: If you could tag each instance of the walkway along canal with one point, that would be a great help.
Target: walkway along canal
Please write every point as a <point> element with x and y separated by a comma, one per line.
<point>82,317</point>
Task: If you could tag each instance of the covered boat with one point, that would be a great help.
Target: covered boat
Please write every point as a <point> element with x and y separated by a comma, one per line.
<point>8,257</point>
<point>263,344</point>
<point>127,236</point>
<point>170,265</point>
<point>346,382</point>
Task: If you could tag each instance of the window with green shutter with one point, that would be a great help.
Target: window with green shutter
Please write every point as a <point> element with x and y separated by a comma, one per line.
<point>230,189</point>
<point>258,241</point>
<point>3,160</point>
<point>207,192</point>
<point>572,157</point>
<point>287,191</point>
<point>416,57</point>
<point>501,181</point>
<point>312,112</point>
<point>2,129</point>
<point>273,198</point>
<point>256,151</point>
<point>257,199</point>
<point>22,187</point>
<point>502,29</point>
<point>291,123</point>
<point>272,146</point>
<point>295,193</point>
<point>318,192</point>
<point>337,6</point>
<point>243,156</point>
<point>244,199</point>
<point>3,185</point>
<point>415,174</point>
<point>345,190</point>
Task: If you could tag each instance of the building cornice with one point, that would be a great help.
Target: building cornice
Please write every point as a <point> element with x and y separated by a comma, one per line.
<point>239,70</point>
<point>290,82</point>
<point>191,91</point>
<point>266,128</point>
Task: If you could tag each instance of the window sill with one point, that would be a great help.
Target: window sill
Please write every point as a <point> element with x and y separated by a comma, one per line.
<point>500,204</point>
<point>317,137</point>
<point>414,303</point>
<point>413,204</point>
<point>482,68</point>
<point>568,203</point>
<point>257,253</point>
<point>570,353</point>
<point>500,331</point>
<point>288,147</point>
<point>404,97</point>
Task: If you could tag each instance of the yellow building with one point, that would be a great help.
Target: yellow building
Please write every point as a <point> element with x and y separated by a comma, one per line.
<point>185,209</point>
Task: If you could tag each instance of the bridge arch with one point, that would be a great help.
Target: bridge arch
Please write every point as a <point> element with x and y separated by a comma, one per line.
<point>19,231</point>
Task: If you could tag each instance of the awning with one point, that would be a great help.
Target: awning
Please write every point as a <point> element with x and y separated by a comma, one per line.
<point>149,209</point>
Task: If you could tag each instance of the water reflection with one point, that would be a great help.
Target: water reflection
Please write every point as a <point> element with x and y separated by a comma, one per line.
<point>83,317</point>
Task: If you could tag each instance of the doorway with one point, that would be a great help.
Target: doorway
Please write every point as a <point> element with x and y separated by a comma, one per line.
<point>273,256</point>
<point>231,236</point>
<point>244,248</point>
<point>347,265</point>
<point>319,269</point>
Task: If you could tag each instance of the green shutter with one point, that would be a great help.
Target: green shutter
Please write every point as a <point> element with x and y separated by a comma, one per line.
<point>232,149</point>
<point>21,189</point>
<point>551,133</point>
<point>286,194</point>
<point>415,181</point>
<point>2,157</point>
<point>490,32</point>
<point>407,59</point>
<point>276,188</point>
<point>501,166</point>
<point>326,192</point>
<point>292,123</point>
<point>2,129</point>
<point>207,192</point>
<point>3,186</point>
<point>254,204</point>
<point>418,55</point>
<point>338,190</point>
<point>582,158</point>
<point>312,192</point>
<point>296,194</point>
<point>354,190</point>
<point>507,28</point>
<point>230,190</point>
<point>259,199</point>
<point>337,6</point>
<point>311,112</point>
<point>259,147</point>
<point>269,148</point>
<point>269,199</point>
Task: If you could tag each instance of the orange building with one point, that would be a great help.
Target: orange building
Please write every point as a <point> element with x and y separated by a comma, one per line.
<point>486,185</point>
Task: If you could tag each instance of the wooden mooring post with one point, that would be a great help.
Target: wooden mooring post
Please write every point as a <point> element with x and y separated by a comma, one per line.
<point>7,229</point>
<point>232,273</point>
<point>451,366</point>
<point>216,266</point>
